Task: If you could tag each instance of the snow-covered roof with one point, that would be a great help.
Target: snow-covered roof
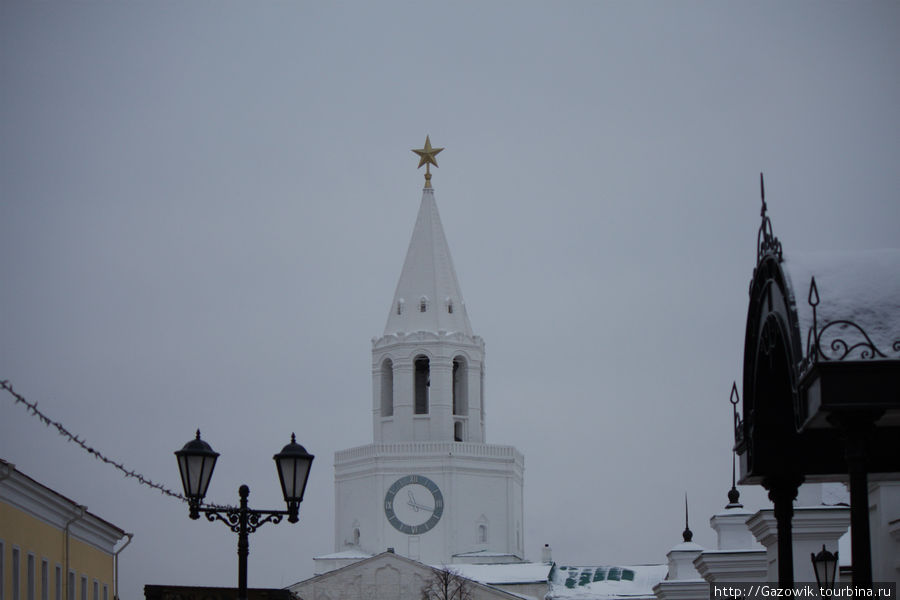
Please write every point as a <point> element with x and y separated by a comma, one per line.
<point>506,573</point>
<point>687,547</point>
<point>605,581</point>
<point>344,554</point>
<point>861,287</point>
<point>483,554</point>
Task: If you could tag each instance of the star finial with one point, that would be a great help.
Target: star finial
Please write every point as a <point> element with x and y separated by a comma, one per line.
<point>426,157</point>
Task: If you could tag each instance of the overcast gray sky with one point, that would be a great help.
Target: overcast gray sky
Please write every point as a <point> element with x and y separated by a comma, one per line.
<point>205,207</point>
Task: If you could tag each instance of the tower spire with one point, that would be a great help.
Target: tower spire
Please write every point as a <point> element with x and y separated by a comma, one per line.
<point>428,296</point>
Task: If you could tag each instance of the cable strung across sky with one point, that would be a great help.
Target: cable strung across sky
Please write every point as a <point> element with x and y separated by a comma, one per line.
<point>34,411</point>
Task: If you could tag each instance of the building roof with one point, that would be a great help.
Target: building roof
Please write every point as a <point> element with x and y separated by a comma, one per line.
<point>605,581</point>
<point>46,504</point>
<point>336,579</point>
<point>503,573</point>
<point>428,275</point>
<point>344,555</point>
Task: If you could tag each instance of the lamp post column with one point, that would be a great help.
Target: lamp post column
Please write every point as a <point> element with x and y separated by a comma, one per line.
<point>243,543</point>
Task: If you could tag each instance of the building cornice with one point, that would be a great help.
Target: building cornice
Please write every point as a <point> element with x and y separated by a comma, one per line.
<point>414,338</point>
<point>46,505</point>
<point>427,449</point>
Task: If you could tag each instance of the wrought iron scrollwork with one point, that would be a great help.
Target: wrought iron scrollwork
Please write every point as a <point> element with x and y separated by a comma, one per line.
<point>255,518</point>
<point>824,343</point>
<point>254,521</point>
<point>231,518</point>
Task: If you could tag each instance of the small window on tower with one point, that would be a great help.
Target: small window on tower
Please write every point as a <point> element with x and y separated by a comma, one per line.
<point>400,306</point>
<point>423,305</point>
<point>450,306</point>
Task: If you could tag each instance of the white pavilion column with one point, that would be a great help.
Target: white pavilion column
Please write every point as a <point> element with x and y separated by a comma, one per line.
<point>682,582</point>
<point>884,507</point>
<point>811,528</point>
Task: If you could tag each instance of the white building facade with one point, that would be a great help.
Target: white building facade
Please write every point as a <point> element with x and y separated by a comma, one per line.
<point>428,487</point>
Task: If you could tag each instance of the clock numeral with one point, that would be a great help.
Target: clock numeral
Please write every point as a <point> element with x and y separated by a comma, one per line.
<point>388,505</point>
<point>438,503</point>
<point>414,479</point>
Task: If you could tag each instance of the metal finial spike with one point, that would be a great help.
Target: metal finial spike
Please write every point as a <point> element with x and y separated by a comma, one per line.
<point>687,535</point>
<point>293,438</point>
<point>762,194</point>
<point>813,292</point>
<point>198,433</point>
<point>734,496</point>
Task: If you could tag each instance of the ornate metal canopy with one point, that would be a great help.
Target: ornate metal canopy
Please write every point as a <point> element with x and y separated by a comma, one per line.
<point>795,392</point>
<point>829,414</point>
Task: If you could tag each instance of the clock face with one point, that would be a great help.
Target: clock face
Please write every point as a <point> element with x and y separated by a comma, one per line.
<point>413,504</point>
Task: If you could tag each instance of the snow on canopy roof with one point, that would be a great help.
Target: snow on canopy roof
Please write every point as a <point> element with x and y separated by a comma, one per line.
<point>503,573</point>
<point>606,581</point>
<point>861,287</point>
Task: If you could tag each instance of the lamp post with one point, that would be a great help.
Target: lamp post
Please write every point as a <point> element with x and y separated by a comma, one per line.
<point>196,461</point>
<point>825,566</point>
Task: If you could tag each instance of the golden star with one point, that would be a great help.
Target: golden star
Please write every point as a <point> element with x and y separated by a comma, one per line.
<point>427,154</point>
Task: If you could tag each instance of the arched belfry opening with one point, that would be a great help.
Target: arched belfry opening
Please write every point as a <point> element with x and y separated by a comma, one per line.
<point>460,386</point>
<point>387,388</point>
<point>421,384</point>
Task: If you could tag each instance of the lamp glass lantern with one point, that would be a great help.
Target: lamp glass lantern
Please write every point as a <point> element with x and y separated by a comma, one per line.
<point>196,461</point>
<point>293,464</point>
<point>825,566</point>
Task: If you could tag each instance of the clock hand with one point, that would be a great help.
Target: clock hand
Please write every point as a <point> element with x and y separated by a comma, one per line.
<point>416,506</point>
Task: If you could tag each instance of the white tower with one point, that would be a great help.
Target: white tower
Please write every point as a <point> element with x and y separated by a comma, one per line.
<point>429,486</point>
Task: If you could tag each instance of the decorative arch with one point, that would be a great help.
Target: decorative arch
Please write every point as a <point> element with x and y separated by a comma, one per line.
<point>772,353</point>
<point>481,531</point>
<point>355,533</point>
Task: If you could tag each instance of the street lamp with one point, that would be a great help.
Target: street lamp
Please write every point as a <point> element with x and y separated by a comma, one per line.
<point>196,461</point>
<point>825,565</point>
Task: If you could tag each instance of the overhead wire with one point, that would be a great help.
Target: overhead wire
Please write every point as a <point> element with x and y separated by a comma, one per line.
<point>33,410</point>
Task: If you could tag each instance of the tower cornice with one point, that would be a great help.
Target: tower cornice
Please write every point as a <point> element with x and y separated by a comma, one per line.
<point>456,338</point>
